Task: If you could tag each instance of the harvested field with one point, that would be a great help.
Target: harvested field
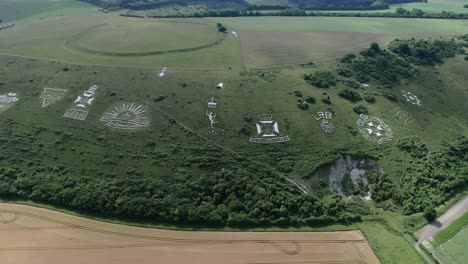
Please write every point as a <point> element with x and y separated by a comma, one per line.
<point>268,48</point>
<point>61,238</point>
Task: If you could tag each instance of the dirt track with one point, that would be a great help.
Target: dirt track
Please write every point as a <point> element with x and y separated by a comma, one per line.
<point>34,235</point>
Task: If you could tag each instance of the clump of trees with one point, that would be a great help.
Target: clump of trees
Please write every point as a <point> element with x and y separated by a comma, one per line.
<point>221,28</point>
<point>429,180</point>
<point>426,52</point>
<point>350,95</point>
<point>381,65</point>
<point>360,109</point>
<point>321,79</point>
<point>414,146</point>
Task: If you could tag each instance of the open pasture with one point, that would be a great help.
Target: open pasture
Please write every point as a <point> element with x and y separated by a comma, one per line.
<point>100,39</point>
<point>273,41</point>
<point>27,10</point>
<point>64,238</point>
<point>140,38</point>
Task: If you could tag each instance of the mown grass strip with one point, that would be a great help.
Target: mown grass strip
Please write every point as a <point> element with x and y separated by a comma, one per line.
<point>450,230</point>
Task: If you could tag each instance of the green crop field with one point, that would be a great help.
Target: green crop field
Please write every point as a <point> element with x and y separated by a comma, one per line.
<point>451,242</point>
<point>448,232</point>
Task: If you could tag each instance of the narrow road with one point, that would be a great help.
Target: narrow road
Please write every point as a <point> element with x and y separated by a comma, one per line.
<point>443,221</point>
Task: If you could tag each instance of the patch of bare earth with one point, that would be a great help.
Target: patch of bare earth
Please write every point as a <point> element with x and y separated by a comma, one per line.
<point>33,235</point>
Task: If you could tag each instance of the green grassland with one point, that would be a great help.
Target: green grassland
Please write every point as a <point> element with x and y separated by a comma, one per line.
<point>448,232</point>
<point>81,38</point>
<point>389,246</point>
<point>347,24</point>
<point>432,6</point>
<point>451,242</point>
<point>27,10</point>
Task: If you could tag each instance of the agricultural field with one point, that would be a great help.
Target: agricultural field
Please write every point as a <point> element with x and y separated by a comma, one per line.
<point>450,243</point>
<point>138,245</point>
<point>270,41</point>
<point>171,123</point>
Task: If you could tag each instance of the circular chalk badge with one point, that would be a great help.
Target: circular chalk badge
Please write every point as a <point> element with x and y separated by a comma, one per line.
<point>374,129</point>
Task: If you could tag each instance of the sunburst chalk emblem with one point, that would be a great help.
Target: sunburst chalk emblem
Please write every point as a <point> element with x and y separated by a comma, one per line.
<point>129,117</point>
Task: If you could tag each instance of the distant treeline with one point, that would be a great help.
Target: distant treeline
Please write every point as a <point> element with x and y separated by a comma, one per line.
<point>415,13</point>
<point>244,5</point>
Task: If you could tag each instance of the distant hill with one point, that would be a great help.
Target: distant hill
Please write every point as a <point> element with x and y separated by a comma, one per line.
<point>244,4</point>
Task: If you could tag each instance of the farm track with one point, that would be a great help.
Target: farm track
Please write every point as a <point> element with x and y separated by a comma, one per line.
<point>42,224</point>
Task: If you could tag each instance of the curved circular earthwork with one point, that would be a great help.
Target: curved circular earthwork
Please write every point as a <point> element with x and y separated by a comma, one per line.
<point>145,38</point>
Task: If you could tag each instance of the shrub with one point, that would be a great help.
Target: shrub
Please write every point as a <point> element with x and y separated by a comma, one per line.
<point>369,98</point>
<point>348,58</point>
<point>310,99</point>
<point>303,105</point>
<point>430,215</point>
<point>326,100</point>
<point>321,79</point>
<point>360,109</point>
<point>350,95</point>
<point>390,97</point>
<point>345,72</point>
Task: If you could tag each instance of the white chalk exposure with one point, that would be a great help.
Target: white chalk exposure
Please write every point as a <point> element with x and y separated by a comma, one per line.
<point>411,98</point>
<point>374,129</point>
<point>51,95</point>
<point>326,125</point>
<point>220,85</point>
<point>403,115</point>
<point>7,100</point>
<point>79,110</point>
<point>268,131</point>
<point>127,117</point>
<point>212,102</point>
<point>163,72</point>
<point>234,34</point>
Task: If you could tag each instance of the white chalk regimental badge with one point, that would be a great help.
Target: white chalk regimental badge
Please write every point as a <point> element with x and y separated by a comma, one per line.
<point>374,129</point>
<point>411,98</point>
<point>79,109</point>
<point>7,100</point>
<point>268,131</point>
<point>127,117</point>
<point>51,95</point>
